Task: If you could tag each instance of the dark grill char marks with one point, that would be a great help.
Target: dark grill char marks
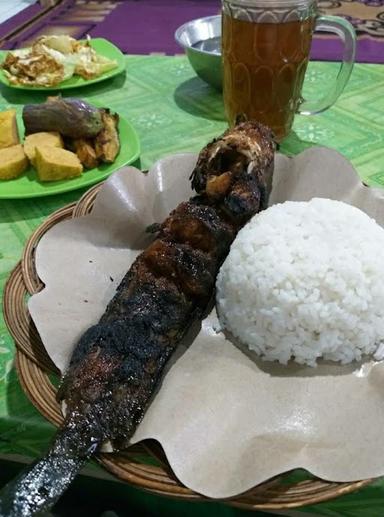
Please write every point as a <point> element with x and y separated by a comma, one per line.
<point>155,315</point>
<point>167,287</point>
<point>199,225</point>
<point>191,270</point>
<point>245,199</point>
<point>118,362</point>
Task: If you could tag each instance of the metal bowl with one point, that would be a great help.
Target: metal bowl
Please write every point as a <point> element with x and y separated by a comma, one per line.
<point>201,40</point>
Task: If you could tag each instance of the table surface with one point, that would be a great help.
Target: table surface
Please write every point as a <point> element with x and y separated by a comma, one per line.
<point>174,111</point>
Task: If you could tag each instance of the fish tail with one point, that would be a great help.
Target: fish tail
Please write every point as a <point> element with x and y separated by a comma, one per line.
<point>38,487</point>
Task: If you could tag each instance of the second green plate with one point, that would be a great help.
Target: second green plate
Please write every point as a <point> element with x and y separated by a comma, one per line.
<point>27,185</point>
<point>102,47</point>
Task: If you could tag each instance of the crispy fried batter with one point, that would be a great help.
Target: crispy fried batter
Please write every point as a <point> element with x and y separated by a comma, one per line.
<point>107,143</point>
<point>39,69</point>
<point>53,59</point>
<point>85,152</point>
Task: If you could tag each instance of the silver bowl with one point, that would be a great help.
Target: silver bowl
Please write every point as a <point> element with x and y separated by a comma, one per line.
<point>201,40</point>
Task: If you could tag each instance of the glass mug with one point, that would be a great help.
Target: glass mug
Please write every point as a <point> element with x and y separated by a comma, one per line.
<point>265,49</point>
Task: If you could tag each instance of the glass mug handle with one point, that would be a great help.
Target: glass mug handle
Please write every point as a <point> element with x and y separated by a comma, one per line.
<point>346,32</point>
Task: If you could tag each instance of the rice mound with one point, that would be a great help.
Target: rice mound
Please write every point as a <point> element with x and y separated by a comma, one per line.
<point>305,280</point>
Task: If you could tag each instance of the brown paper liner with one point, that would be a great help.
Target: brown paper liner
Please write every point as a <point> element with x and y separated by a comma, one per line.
<point>34,366</point>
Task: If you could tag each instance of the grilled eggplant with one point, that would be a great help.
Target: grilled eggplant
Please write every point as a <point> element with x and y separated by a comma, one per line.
<point>72,117</point>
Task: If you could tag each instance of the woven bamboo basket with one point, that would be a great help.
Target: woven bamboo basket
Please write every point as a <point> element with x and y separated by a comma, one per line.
<point>143,465</point>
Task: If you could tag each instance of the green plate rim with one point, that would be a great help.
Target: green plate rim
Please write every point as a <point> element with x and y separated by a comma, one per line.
<point>68,187</point>
<point>120,57</point>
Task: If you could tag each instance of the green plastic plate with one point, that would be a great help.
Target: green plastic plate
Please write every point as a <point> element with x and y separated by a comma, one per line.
<point>102,47</point>
<point>27,185</point>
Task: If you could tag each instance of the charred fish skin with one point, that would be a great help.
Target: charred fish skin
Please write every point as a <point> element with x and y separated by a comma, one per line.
<point>117,364</point>
<point>131,352</point>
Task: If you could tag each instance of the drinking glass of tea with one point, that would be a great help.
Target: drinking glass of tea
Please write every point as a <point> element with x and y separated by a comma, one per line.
<point>265,49</point>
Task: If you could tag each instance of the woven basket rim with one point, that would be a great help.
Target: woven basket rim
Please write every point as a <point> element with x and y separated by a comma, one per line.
<point>33,366</point>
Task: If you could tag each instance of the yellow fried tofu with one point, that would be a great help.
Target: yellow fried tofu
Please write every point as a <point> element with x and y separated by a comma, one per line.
<point>8,129</point>
<point>53,163</point>
<point>13,162</point>
<point>44,139</point>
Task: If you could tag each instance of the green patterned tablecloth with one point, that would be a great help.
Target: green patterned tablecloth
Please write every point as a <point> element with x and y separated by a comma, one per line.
<point>172,111</point>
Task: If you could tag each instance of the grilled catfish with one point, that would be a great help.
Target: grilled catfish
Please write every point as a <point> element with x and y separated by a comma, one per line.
<point>118,362</point>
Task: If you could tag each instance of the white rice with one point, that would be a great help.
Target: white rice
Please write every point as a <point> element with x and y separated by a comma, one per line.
<point>305,280</point>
